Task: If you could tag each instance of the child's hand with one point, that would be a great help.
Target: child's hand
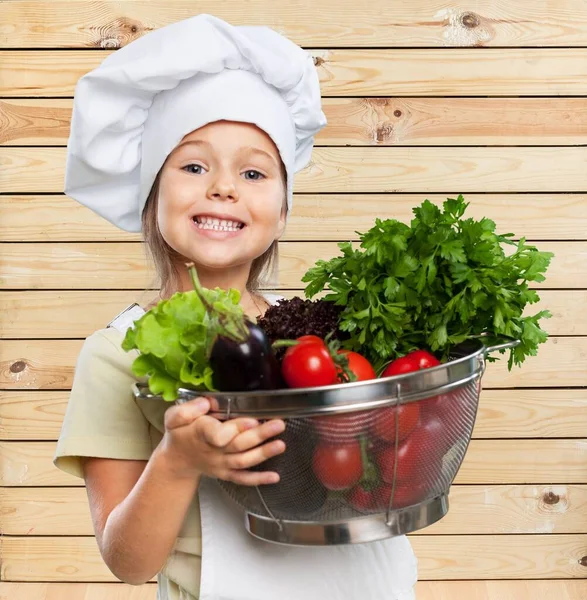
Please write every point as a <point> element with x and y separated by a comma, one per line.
<point>198,444</point>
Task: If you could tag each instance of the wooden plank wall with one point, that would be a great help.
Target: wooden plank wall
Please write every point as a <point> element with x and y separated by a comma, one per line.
<point>424,99</point>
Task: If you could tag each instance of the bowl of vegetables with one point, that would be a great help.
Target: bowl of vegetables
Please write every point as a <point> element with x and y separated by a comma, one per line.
<point>378,381</point>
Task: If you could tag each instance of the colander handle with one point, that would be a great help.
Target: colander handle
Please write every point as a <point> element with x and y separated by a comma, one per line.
<point>504,346</point>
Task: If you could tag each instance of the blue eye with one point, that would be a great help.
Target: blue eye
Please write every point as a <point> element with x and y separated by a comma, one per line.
<point>194,169</point>
<point>252,175</point>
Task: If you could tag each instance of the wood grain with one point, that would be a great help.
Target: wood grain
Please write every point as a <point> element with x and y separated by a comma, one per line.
<point>111,24</point>
<point>54,218</point>
<point>96,591</point>
<point>439,557</point>
<point>530,413</point>
<point>364,169</point>
<point>551,462</point>
<point>477,509</point>
<point>368,121</point>
<point>64,314</point>
<point>125,266</point>
<point>561,589</point>
<point>49,365</point>
<point>380,72</point>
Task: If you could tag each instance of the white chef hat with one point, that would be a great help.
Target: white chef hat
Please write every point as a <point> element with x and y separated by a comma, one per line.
<point>132,111</point>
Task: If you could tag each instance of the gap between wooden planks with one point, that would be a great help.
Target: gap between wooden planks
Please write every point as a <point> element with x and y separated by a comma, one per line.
<point>362,169</point>
<point>382,72</point>
<point>54,218</point>
<point>474,510</point>
<point>517,413</point>
<point>544,461</point>
<point>368,121</point>
<point>125,266</point>
<point>444,557</point>
<point>560,589</point>
<point>109,23</point>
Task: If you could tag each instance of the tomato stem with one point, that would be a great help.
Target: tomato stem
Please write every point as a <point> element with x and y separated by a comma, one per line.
<point>284,343</point>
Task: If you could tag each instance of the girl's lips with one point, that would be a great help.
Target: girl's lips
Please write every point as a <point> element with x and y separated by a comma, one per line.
<point>215,234</point>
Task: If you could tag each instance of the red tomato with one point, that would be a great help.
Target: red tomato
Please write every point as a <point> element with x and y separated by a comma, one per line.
<point>423,359</point>
<point>404,495</point>
<point>386,463</point>
<point>414,361</point>
<point>311,339</point>
<point>439,407</point>
<point>359,365</point>
<point>338,466</point>
<point>360,498</point>
<point>343,427</point>
<point>308,365</point>
<point>384,422</point>
<point>419,457</point>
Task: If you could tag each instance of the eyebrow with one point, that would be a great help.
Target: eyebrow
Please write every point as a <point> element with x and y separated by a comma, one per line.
<point>254,150</point>
<point>195,142</point>
<point>251,149</point>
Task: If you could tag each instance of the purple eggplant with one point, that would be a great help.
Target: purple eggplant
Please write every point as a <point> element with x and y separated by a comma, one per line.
<point>242,366</point>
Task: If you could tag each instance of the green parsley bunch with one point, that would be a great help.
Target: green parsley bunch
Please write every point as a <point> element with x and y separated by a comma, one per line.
<point>433,284</point>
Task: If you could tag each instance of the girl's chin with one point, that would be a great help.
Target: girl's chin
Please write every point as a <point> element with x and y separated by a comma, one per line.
<point>216,263</point>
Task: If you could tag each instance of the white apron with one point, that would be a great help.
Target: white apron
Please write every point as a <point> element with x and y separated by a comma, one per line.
<point>238,566</point>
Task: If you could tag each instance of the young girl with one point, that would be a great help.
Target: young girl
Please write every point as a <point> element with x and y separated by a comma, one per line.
<point>192,135</point>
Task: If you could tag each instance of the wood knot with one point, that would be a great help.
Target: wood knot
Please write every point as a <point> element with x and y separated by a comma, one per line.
<point>121,32</point>
<point>470,20</point>
<point>318,61</point>
<point>383,133</point>
<point>18,366</point>
<point>110,43</point>
<point>551,498</point>
<point>583,561</point>
<point>397,113</point>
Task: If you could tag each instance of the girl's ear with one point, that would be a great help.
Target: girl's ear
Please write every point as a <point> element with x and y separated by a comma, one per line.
<point>282,223</point>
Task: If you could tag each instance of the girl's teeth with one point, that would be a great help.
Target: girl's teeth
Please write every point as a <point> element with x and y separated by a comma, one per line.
<point>217,224</point>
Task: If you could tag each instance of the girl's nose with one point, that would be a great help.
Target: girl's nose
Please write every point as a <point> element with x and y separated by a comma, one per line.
<point>223,187</point>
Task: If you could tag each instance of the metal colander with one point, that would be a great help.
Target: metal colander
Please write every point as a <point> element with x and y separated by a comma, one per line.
<point>365,460</point>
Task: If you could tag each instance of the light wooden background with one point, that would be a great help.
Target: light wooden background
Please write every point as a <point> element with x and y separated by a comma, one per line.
<point>424,99</point>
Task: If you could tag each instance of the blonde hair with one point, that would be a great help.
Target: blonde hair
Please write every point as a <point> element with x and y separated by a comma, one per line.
<point>167,261</point>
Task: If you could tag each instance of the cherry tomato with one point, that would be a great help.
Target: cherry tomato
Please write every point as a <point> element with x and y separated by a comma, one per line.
<point>419,457</point>
<point>338,466</point>
<point>414,361</point>
<point>404,495</point>
<point>439,407</point>
<point>359,365</point>
<point>386,458</point>
<point>384,422</point>
<point>423,359</point>
<point>360,498</point>
<point>342,427</point>
<point>308,365</point>
<point>345,427</point>
<point>311,339</point>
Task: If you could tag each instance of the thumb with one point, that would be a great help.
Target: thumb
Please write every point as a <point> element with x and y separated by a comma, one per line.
<point>184,414</point>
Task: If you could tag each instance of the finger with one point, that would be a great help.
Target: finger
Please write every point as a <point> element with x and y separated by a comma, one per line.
<point>252,478</point>
<point>246,460</point>
<point>183,414</point>
<point>253,437</point>
<point>219,434</point>
<point>214,405</point>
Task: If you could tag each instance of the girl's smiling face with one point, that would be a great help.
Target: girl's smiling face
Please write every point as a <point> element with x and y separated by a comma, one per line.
<point>221,200</point>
